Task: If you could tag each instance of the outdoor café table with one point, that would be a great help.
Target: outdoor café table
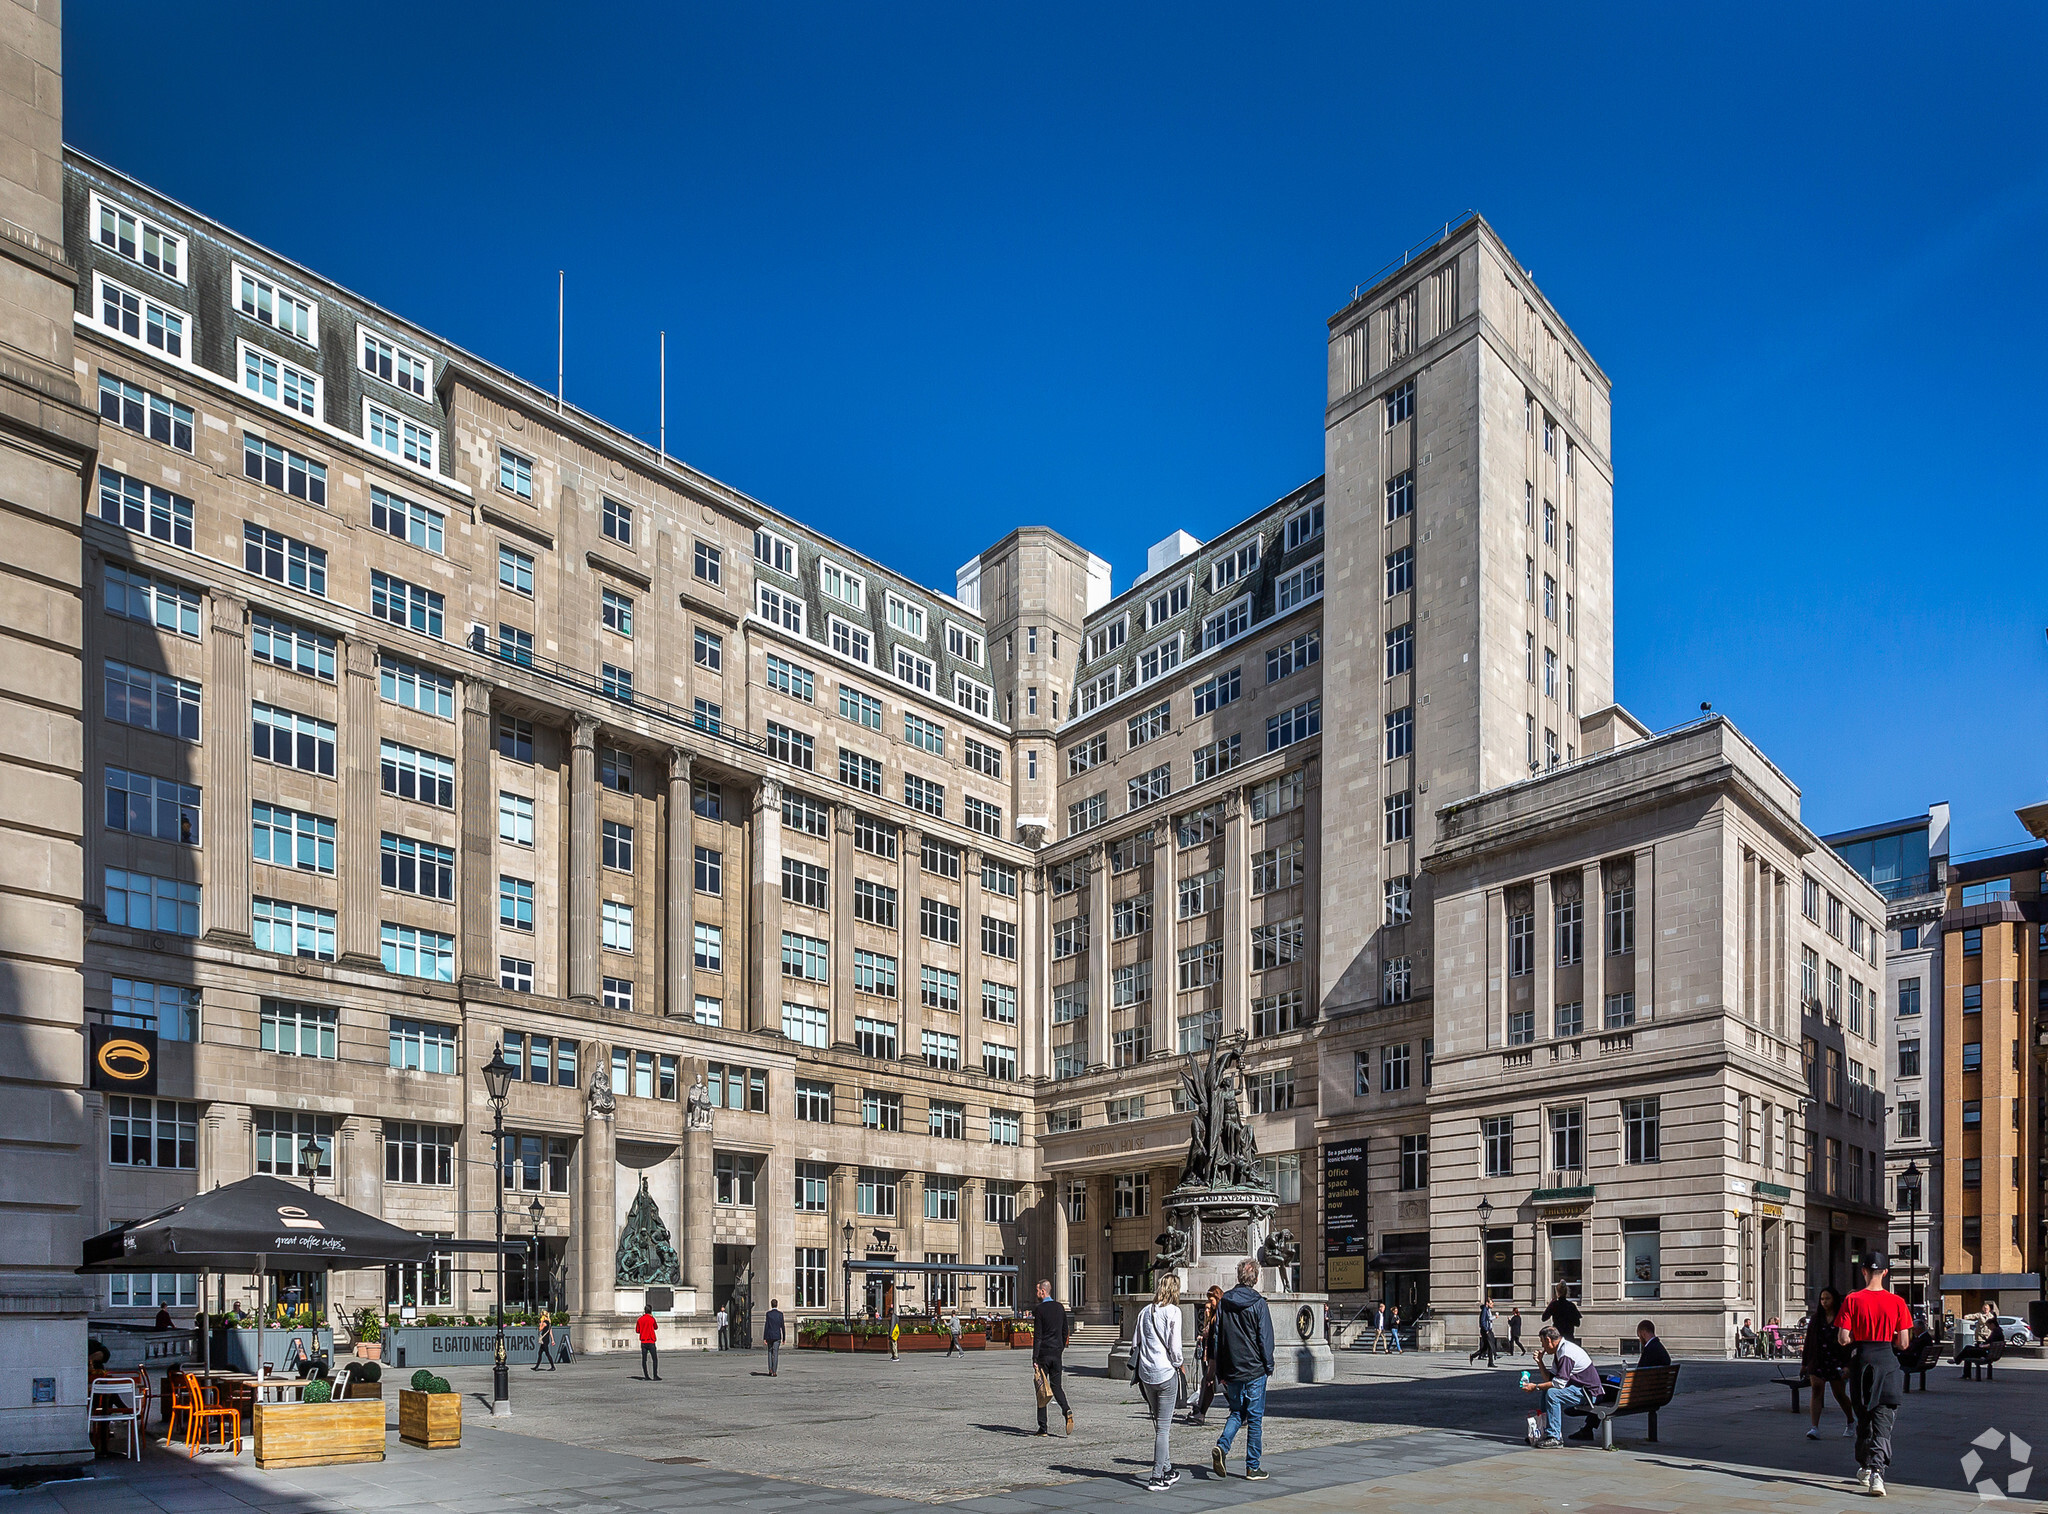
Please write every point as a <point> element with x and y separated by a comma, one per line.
<point>279,1390</point>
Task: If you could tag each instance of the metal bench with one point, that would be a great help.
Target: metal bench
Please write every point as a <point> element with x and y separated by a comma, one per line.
<point>1795,1383</point>
<point>1919,1359</point>
<point>1978,1360</point>
<point>1643,1390</point>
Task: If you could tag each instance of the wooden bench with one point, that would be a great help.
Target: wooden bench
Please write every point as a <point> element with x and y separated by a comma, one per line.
<point>1795,1383</point>
<point>1644,1390</point>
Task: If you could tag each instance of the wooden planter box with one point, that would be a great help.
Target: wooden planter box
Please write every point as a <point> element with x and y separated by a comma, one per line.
<point>319,1435</point>
<point>431,1421</point>
<point>367,1390</point>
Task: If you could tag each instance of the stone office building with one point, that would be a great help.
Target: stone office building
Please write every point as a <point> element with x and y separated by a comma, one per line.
<point>425,715</point>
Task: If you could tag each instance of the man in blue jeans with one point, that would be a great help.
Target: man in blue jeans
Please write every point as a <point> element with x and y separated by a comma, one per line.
<point>1571,1383</point>
<point>1244,1360</point>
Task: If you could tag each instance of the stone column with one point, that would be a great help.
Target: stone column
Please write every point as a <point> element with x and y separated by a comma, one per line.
<point>583,859</point>
<point>598,1219</point>
<point>697,1211</point>
<point>909,890</point>
<point>842,996</point>
<point>93,848</point>
<point>226,733</point>
<point>1101,1269</point>
<point>910,1214</point>
<point>1236,924</point>
<point>969,1023</point>
<point>1098,955</point>
<point>765,920</point>
<point>773,1224</point>
<point>1498,985</point>
<point>361,836</point>
<point>970,1233</point>
<point>1056,1271</point>
<point>476,887</point>
<point>681,959</point>
<point>838,1211</point>
<point>1312,893</point>
<point>1165,909</point>
<point>1593,985</point>
<point>1541,988</point>
<point>1034,1015</point>
<point>1646,934</point>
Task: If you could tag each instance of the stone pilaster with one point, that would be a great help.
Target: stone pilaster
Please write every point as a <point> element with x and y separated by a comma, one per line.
<point>842,996</point>
<point>1498,985</point>
<point>583,935</point>
<point>598,1220</point>
<point>1312,893</point>
<point>680,950</point>
<point>908,892</point>
<point>1034,1016</point>
<point>361,836</point>
<point>1542,987</point>
<point>227,908</point>
<point>1236,923</point>
<point>1165,906</point>
<point>1098,955</point>
<point>969,1022</point>
<point>1645,984</point>
<point>1593,985</point>
<point>764,989</point>
<point>1056,1271</point>
<point>476,889</point>
<point>697,1213</point>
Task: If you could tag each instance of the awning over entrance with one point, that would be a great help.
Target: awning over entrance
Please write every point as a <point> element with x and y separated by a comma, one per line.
<point>1402,1253</point>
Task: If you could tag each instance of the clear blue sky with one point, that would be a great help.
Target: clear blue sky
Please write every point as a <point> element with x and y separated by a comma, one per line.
<point>929,272</point>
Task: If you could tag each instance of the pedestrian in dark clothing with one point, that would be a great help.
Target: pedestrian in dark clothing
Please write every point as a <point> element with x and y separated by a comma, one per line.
<point>771,1335</point>
<point>1244,1360</point>
<point>1049,1330</point>
<point>1515,1347</point>
<point>1824,1364</point>
<point>1875,1324</point>
<point>1564,1314</point>
<point>953,1346</point>
<point>1394,1328</point>
<point>1487,1346</point>
<point>544,1355</point>
<point>650,1364</point>
<point>1652,1353</point>
<point>1205,1348</point>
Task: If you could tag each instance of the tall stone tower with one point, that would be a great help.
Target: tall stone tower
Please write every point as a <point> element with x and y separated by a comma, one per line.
<point>1469,617</point>
<point>47,440</point>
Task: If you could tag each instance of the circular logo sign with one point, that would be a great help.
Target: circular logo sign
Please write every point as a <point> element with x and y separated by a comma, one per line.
<point>125,1060</point>
<point>1304,1322</point>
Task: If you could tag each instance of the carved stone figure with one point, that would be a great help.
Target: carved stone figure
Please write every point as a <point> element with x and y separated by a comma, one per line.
<point>601,1100</point>
<point>646,1255</point>
<point>697,1111</point>
<point>1221,1150</point>
<point>1173,1244</point>
<point>1281,1250</point>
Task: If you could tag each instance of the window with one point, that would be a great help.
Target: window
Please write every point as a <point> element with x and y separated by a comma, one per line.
<point>287,838</point>
<point>515,645</point>
<point>1200,893</point>
<point>732,1179</point>
<point>1621,1012</point>
<point>1200,965</point>
<point>1398,813</point>
<point>998,1003</point>
<point>1400,732</point>
<point>1123,1111</point>
<point>1086,814</point>
<point>516,974</point>
<point>618,846</point>
<point>416,688</point>
<point>1394,1067</point>
<point>397,365</point>
<point>1395,981</point>
<point>422,1046</point>
<point>937,857</point>
<point>139,239</point>
<point>141,319</point>
<point>1276,945</point>
<point>617,926</point>
<point>515,473</point>
<point>403,770</point>
<point>805,1024</point>
<point>1069,937</point>
<point>913,669</point>
<point>1400,571</point>
<point>791,746</point>
<point>1297,724</point>
<point>405,604</point>
<point>926,735</point>
<point>1397,897</point>
<point>1088,754</point>
<point>875,903</point>
<point>923,795</point>
<point>515,904</point>
<point>1400,403</point>
<point>1227,624</point>
<point>998,879</point>
<point>835,582</point>
<point>1521,943</point>
<point>875,1193</point>
<point>290,930</point>
<point>1292,656</point>
<point>1973,942</point>
<point>856,771</point>
<point>1639,1123</point>
<point>1973,1056</point>
<point>131,595</point>
<point>152,1133</point>
<point>1142,728</point>
<point>145,413</point>
<point>1198,1032</point>
<point>874,1038</point>
<point>938,921</point>
<point>281,559</point>
<point>787,677</point>
<point>874,974</point>
<point>1571,931</point>
<point>999,938</point>
<point>805,957</point>
<point>1299,587</point>
<point>1231,566</point>
<point>1160,658</point>
<point>415,1153</point>
<point>171,1010</point>
<point>1549,598</point>
<point>1400,650</point>
<point>297,1030</point>
<point>963,643</point>
<point>1414,1163</point>
<point>416,444</point>
<point>1621,919</point>
<point>1162,607</point>
<point>707,563</point>
<point>941,1049</point>
<point>536,1164</point>
<point>617,683</point>
<point>146,806</point>
<point>881,1111</point>
<point>1130,984</point>
<point>1149,788</point>
<point>279,1136</point>
<point>279,382</point>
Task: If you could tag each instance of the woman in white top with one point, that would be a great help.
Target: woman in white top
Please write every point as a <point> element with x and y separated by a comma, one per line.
<point>1156,1359</point>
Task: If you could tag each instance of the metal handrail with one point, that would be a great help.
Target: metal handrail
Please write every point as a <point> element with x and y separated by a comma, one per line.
<point>1434,239</point>
<point>646,704</point>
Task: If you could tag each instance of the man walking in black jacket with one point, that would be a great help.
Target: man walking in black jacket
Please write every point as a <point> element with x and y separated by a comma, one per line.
<point>1049,1330</point>
<point>1244,1360</point>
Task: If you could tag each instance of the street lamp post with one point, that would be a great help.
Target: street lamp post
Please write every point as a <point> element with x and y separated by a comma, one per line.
<point>537,1212</point>
<point>309,1158</point>
<point>497,1080</point>
<point>846,1288</point>
<point>1912,1177</point>
<point>1485,1223</point>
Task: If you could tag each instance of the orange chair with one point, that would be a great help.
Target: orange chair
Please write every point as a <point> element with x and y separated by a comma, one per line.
<point>201,1407</point>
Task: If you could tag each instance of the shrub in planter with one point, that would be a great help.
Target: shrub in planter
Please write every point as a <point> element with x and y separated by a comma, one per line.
<point>439,1385</point>
<point>421,1379</point>
<point>368,1372</point>
<point>369,1329</point>
<point>318,1391</point>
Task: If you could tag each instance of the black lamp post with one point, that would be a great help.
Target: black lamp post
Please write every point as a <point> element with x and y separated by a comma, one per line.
<point>309,1158</point>
<point>498,1079</point>
<point>537,1212</point>
<point>1485,1223</point>
<point>1912,1177</point>
<point>846,1234</point>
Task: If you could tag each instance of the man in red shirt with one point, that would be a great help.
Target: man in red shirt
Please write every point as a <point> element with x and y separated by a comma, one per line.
<point>647,1329</point>
<point>1875,1324</point>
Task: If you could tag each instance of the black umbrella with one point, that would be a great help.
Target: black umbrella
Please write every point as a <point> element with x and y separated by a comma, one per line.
<point>262,1224</point>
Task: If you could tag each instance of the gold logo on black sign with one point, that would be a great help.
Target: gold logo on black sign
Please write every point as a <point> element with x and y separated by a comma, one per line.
<point>127,1061</point>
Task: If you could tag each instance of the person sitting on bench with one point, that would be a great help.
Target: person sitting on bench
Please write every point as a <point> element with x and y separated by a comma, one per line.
<point>1650,1353</point>
<point>1571,1383</point>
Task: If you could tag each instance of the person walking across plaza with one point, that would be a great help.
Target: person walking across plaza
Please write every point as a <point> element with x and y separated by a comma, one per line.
<point>724,1324</point>
<point>771,1335</point>
<point>953,1346</point>
<point>1570,1382</point>
<point>1244,1360</point>
<point>1394,1328</point>
<point>544,1356</point>
<point>1824,1364</point>
<point>1515,1346</point>
<point>1156,1363</point>
<point>1875,1325</point>
<point>650,1362</point>
<point>1205,1353</point>
<point>1049,1328</point>
<point>1488,1347</point>
<point>1563,1313</point>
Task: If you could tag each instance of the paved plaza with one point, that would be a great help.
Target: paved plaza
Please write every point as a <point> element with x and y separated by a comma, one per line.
<point>863,1435</point>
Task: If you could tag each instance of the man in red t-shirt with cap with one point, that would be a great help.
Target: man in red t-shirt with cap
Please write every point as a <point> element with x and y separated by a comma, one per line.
<point>1875,1324</point>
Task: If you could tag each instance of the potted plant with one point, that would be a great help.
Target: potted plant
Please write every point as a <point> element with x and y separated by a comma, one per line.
<point>429,1413</point>
<point>369,1336</point>
<point>366,1381</point>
